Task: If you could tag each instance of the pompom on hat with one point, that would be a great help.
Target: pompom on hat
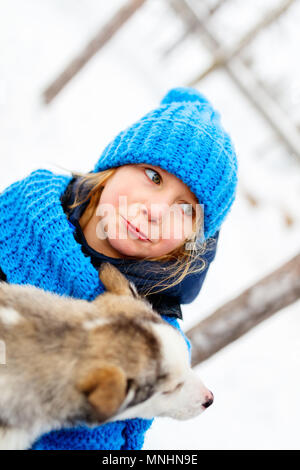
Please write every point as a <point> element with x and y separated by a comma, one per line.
<point>184,136</point>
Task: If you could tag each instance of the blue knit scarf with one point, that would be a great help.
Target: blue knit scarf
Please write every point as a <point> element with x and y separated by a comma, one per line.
<point>37,247</point>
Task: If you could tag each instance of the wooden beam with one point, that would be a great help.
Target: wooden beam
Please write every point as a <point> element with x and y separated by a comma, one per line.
<point>224,55</point>
<point>105,33</point>
<point>245,81</point>
<point>191,27</point>
<point>238,316</point>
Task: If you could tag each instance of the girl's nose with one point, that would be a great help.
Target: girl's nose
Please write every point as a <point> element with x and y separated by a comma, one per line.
<point>155,211</point>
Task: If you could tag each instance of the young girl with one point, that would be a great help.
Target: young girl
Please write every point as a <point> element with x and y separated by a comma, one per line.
<point>55,231</point>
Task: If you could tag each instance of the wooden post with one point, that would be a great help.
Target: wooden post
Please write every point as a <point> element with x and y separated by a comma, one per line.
<point>245,81</point>
<point>105,33</point>
<point>224,55</point>
<point>229,322</point>
<point>191,27</point>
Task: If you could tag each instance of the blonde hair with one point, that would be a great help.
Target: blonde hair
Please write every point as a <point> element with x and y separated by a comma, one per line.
<point>186,260</point>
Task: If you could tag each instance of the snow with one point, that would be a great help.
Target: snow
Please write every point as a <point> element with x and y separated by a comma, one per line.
<point>254,380</point>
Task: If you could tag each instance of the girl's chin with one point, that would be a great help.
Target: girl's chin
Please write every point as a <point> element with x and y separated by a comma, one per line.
<point>129,247</point>
<point>137,248</point>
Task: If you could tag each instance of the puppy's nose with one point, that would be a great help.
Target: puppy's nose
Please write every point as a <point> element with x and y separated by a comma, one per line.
<point>209,400</point>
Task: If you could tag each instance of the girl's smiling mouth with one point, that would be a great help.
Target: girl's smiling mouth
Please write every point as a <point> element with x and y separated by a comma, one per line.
<point>136,231</point>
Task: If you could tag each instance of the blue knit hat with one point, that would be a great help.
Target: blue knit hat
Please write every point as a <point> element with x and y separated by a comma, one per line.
<point>184,136</point>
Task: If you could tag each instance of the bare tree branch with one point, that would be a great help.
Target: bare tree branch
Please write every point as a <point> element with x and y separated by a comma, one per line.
<point>105,33</point>
<point>228,323</point>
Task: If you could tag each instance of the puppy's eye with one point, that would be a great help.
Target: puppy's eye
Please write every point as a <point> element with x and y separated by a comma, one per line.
<point>178,386</point>
<point>162,377</point>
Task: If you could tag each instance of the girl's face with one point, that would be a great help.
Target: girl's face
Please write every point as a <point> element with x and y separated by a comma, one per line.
<point>147,198</point>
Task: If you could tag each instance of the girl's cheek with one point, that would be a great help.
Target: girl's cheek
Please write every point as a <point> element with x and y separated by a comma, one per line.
<point>177,227</point>
<point>188,227</point>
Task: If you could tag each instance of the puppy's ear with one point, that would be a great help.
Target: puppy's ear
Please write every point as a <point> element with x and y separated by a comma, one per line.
<point>105,389</point>
<point>114,281</point>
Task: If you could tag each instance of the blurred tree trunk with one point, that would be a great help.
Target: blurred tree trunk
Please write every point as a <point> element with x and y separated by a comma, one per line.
<point>271,294</point>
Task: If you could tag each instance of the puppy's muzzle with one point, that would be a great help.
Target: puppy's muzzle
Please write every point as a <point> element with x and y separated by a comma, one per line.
<point>209,400</point>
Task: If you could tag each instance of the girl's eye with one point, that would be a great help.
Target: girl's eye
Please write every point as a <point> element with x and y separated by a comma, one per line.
<point>157,178</point>
<point>188,209</point>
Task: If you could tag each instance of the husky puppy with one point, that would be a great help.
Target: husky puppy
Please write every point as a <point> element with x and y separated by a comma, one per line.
<point>69,361</point>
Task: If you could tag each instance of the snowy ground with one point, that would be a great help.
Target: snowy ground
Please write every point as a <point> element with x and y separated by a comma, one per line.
<point>254,380</point>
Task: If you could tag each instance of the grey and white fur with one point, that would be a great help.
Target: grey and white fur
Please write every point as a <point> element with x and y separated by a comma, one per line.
<point>70,361</point>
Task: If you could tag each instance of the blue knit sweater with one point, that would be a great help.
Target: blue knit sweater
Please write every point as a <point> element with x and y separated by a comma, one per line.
<point>37,247</point>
